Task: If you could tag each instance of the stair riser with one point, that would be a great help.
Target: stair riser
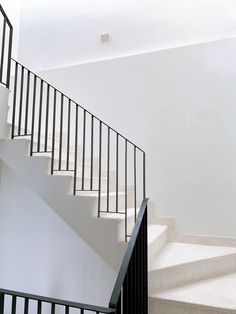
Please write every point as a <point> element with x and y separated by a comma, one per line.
<point>156,246</point>
<point>183,274</point>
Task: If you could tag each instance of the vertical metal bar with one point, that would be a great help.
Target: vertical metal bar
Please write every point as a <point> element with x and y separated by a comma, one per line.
<point>146,262</point>
<point>47,118</point>
<point>2,299</point>
<point>68,136</point>
<point>9,57</point>
<point>76,148</point>
<point>67,309</point>
<point>3,49</point>
<point>27,102</point>
<point>126,190</point>
<point>53,130</point>
<point>26,306</point>
<point>39,309</point>
<point>61,132</point>
<point>144,175</point>
<point>53,308</point>
<point>117,172</point>
<point>13,305</point>
<point>21,99</point>
<point>40,116</point>
<point>100,168</point>
<point>135,184</point>
<point>14,102</point>
<point>91,164</point>
<point>84,143</point>
<point>108,167</point>
<point>33,116</point>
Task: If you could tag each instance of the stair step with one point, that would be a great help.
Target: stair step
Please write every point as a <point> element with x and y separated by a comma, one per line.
<point>211,296</point>
<point>180,263</point>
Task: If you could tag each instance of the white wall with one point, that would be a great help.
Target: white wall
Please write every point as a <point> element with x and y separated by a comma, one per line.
<point>179,105</point>
<point>62,32</point>
<point>40,254</point>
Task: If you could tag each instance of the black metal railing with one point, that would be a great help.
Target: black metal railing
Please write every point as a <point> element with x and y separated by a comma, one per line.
<point>100,159</point>
<point>6,32</point>
<point>16,302</point>
<point>130,294</point>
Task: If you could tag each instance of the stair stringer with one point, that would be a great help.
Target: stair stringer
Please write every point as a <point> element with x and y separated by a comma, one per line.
<point>80,213</point>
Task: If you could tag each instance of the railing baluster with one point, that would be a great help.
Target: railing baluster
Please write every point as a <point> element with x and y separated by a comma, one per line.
<point>33,116</point>
<point>39,308</point>
<point>126,190</point>
<point>2,299</point>
<point>108,168</point>
<point>68,136</point>
<point>76,148</point>
<point>9,57</point>
<point>13,305</point>
<point>53,308</point>
<point>67,309</point>
<point>14,102</point>
<point>145,266</point>
<point>21,100</point>
<point>27,102</point>
<point>117,172</point>
<point>53,130</point>
<point>61,132</point>
<point>40,116</point>
<point>144,175</point>
<point>91,161</point>
<point>26,306</point>
<point>47,118</point>
<point>84,147</point>
<point>100,168</point>
<point>3,48</point>
<point>135,184</point>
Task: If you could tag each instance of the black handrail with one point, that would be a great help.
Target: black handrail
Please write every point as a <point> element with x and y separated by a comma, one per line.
<point>27,298</point>
<point>130,294</point>
<point>6,49</point>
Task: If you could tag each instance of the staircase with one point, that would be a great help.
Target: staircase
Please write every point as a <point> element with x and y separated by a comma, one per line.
<point>93,177</point>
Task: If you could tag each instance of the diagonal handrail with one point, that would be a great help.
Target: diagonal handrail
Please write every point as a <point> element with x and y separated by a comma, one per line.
<point>133,267</point>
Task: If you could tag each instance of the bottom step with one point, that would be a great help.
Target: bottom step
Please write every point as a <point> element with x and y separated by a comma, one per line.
<point>212,296</point>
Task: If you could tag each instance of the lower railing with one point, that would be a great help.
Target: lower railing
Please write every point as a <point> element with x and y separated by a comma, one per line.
<point>130,294</point>
<point>16,302</point>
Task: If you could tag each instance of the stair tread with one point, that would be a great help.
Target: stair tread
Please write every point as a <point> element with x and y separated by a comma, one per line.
<point>218,292</point>
<point>174,254</point>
